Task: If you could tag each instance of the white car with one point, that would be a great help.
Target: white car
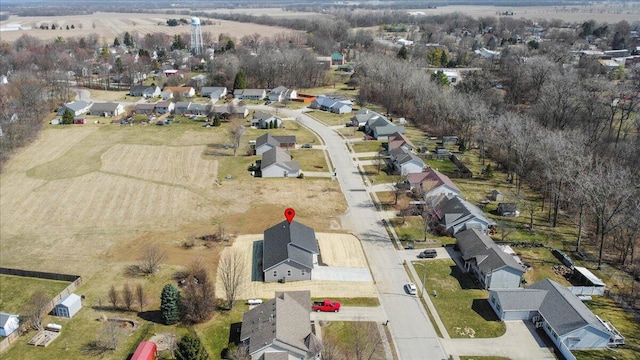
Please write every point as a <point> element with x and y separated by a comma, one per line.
<point>410,288</point>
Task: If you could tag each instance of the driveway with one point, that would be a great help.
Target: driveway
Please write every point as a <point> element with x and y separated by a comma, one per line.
<point>352,313</point>
<point>334,273</point>
<point>520,342</point>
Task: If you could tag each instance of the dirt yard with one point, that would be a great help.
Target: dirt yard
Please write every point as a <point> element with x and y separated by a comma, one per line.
<point>342,250</point>
<point>83,198</point>
<point>112,25</point>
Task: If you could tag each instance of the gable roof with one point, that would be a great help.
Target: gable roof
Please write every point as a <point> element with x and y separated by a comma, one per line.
<point>260,115</point>
<point>266,139</point>
<point>331,103</point>
<point>564,311</point>
<point>69,300</point>
<point>292,241</point>
<point>488,256</point>
<point>397,140</point>
<point>105,107</point>
<point>453,209</point>
<point>276,155</point>
<point>388,129</point>
<point>4,318</point>
<point>77,105</point>
<point>407,157</point>
<point>179,89</point>
<point>249,92</point>
<point>144,106</point>
<point>520,299</point>
<point>283,320</point>
<point>430,179</point>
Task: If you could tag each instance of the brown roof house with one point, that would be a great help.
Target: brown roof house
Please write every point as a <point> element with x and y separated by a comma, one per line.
<point>280,329</point>
<point>289,252</point>
<point>432,183</point>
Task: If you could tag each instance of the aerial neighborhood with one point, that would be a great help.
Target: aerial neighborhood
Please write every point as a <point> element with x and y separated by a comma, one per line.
<point>315,180</point>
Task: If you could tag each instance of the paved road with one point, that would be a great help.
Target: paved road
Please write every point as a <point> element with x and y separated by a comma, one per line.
<point>413,333</point>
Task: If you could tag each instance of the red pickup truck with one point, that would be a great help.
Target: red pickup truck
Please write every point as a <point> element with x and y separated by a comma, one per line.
<point>327,305</point>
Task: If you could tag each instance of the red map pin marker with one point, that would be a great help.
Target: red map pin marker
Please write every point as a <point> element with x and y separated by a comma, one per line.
<point>289,213</point>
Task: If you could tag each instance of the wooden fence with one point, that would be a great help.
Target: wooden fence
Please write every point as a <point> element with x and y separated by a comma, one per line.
<point>75,281</point>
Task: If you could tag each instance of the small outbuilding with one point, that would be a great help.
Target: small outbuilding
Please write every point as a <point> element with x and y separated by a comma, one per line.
<point>497,195</point>
<point>8,324</point>
<point>507,209</point>
<point>68,306</point>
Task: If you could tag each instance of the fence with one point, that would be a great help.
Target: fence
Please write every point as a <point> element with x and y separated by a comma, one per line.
<point>75,281</point>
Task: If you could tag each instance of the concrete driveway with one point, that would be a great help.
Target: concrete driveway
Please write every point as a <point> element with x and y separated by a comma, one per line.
<point>335,273</point>
<point>352,313</point>
<point>520,342</point>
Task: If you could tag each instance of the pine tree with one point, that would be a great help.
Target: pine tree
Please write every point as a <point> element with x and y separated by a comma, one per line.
<point>190,348</point>
<point>402,54</point>
<point>170,304</point>
<point>240,82</point>
<point>67,118</point>
<point>127,39</point>
<point>116,42</point>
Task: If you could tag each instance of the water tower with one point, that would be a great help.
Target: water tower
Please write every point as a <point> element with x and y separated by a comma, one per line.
<point>196,36</point>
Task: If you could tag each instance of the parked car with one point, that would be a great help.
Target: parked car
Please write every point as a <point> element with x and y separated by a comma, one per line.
<point>307,146</point>
<point>428,254</point>
<point>326,306</point>
<point>410,288</point>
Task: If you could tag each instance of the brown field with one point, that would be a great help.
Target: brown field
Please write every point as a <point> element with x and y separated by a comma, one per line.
<point>611,13</point>
<point>111,25</point>
<point>342,250</point>
<point>101,192</point>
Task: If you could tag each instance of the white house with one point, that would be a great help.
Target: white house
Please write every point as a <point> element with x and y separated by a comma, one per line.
<point>68,306</point>
<point>79,107</point>
<point>163,107</point>
<point>433,183</point>
<point>453,214</point>
<point>184,91</point>
<point>568,323</point>
<point>282,93</point>
<point>107,109</point>
<point>250,94</point>
<point>277,163</point>
<point>334,105</point>
<point>8,324</point>
<point>262,120</point>
<point>214,92</point>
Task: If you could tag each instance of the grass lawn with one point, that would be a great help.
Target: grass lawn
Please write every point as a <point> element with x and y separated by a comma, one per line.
<point>629,327</point>
<point>215,333</point>
<point>359,301</point>
<point>367,146</point>
<point>329,118</point>
<point>102,95</point>
<point>344,336</point>
<point>380,177</point>
<point>350,132</point>
<point>310,159</point>
<point>15,291</point>
<point>462,307</point>
<point>409,228</point>
<point>444,166</point>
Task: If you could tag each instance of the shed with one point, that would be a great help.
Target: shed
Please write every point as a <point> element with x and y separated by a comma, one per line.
<point>8,324</point>
<point>68,306</point>
<point>497,195</point>
<point>507,209</point>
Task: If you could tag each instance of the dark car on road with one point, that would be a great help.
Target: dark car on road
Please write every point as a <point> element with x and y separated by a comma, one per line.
<point>428,254</point>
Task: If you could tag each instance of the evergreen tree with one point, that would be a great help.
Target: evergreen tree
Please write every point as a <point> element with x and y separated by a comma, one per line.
<point>177,44</point>
<point>240,82</point>
<point>444,58</point>
<point>190,348</point>
<point>230,45</point>
<point>67,117</point>
<point>170,304</point>
<point>216,120</point>
<point>119,66</point>
<point>127,39</point>
<point>116,42</point>
<point>402,54</point>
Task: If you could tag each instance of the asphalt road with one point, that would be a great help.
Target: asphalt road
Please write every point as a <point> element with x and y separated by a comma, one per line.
<point>412,331</point>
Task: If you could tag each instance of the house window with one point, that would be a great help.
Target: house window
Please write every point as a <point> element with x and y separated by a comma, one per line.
<point>275,273</point>
<point>498,307</point>
<point>493,300</point>
<point>302,272</point>
<point>288,272</point>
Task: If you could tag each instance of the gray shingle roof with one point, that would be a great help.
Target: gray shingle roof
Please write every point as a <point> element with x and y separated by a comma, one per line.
<point>389,129</point>
<point>454,210</point>
<point>283,319</point>
<point>563,310</point>
<point>104,107</point>
<point>266,139</point>
<point>275,155</point>
<point>474,244</point>
<point>289,241</point>
<point>520,299</point>
<point>4,318</point>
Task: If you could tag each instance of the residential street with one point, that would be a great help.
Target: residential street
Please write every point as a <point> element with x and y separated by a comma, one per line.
<point>413,333</point>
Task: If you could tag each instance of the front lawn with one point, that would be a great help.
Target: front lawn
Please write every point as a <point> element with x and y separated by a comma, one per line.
<point>310,159</point>
<point>341,339</point>
<point>367,146</point>
<point>463,308</point>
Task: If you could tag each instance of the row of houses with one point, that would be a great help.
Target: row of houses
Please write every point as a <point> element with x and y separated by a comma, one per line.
<point>277,94</point>
<point>275,161</point>
<point>375,125</point>
<point>336,104</point>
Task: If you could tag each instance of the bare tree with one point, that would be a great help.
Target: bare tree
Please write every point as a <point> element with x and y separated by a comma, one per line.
<point>610,190</point>
<point>151,259</point>
<point>240,352</point>
<point>114,297</point>
<point>141,297</point>
<point>237,131</point>
<point>111,334</point>
<point>366,339</point>
<point>127,296</point>
<point>35,310</point>
<point>231,271</point>
<point>198,296</point>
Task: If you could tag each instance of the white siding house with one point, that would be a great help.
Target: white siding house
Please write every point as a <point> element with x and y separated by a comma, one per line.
<point>68,306</point>
<point>8,324</point>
